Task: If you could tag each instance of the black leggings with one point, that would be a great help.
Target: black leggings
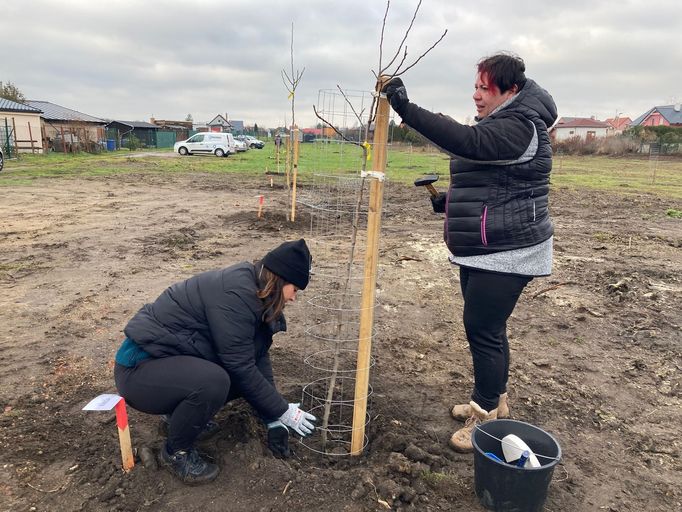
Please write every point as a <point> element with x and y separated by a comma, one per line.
<point>189,389</point>
<point>489,299</point>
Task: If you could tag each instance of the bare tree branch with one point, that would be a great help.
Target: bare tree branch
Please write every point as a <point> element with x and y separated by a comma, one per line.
<point>286,80</point>
<point>402,61</point>
<point>400,72</point>
<point>381,39</point>
<point>348,102</point>
<point>319,116</point>
<point>407,32</point>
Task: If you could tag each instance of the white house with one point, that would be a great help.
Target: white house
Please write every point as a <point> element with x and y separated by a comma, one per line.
<point>585,128</point>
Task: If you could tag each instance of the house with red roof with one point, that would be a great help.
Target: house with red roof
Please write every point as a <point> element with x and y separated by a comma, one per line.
<point>584,128</point>
<point>618,124</point>
<point>664,115</point>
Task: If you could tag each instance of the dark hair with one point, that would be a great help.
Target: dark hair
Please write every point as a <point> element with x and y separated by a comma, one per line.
<point>504,70</point>
<point>271,293</point>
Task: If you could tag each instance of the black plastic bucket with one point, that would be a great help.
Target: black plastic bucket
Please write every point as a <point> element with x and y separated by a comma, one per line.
<point>507,488</point>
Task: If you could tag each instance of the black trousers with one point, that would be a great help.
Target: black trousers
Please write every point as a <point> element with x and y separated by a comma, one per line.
<point>489,299</point>
<point>188,389</point>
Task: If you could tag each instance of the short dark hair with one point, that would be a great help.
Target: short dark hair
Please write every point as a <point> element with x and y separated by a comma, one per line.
<point>505,70</point>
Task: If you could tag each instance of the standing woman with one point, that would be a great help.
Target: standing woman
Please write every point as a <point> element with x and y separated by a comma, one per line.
<point>205,342</point>
<point>497,223</point>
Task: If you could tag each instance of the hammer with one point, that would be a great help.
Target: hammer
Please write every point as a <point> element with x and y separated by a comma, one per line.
<point>427,181</point>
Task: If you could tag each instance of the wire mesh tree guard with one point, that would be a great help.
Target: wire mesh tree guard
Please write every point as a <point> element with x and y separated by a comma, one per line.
<point>337,207</point>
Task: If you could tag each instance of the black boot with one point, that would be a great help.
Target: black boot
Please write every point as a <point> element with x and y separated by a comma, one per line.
<point>188,466</point>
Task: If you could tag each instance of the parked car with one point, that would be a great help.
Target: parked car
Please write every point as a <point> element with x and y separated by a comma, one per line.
<point>2,159</point>
<point>240,145</point>
<point>251,141</point>
<point>207,143</point>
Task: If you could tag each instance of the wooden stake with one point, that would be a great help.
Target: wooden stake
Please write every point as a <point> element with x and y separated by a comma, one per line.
<point>287,159</point>
<point>260,206</point>
<point>43,135</point>
<point>30,136</point>
<point>294,165</point>
<point>376,192</point>
<point>124,436</point>
<point>63,139</point>
<point>16,144</point>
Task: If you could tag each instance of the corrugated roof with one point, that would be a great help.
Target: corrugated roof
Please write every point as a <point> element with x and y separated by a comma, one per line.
<point>54,112</point>
<point>578,122</point>
<point>135,124</point>
<point>13,106</point>
<point>667,111</point>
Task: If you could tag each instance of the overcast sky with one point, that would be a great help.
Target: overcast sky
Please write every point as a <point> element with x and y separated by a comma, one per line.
<point>136,59</point>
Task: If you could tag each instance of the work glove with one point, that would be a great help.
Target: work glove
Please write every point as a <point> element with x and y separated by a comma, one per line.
<point>438,202</point>
<point>396,95</point>
<point>278,439</point>
<point>301,422</point>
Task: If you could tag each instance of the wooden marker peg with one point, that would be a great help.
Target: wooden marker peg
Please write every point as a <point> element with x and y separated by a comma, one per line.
<point>260,205</point>
<point>124,436</point>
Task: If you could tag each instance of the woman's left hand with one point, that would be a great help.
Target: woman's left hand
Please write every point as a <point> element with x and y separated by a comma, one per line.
<point>278,439</point>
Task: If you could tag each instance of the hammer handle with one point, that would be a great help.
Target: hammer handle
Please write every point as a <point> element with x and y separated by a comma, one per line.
<point>431,189</point>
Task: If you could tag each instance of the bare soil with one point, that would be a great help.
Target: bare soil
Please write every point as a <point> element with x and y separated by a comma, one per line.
<point>596,355</point>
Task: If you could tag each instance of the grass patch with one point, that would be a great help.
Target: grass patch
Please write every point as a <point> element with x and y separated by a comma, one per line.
<point>625,176</point>
<point>675,214</point>
<point>630,175</point>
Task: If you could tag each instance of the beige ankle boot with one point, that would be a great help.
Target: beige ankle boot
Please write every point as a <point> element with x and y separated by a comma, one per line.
<point>463,412</point>
<point>461,440</point>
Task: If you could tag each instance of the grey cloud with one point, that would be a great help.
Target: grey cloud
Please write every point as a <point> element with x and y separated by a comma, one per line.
<point>168,58</point>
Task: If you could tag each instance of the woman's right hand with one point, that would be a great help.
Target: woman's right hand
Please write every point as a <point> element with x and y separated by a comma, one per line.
<point>438,202</point>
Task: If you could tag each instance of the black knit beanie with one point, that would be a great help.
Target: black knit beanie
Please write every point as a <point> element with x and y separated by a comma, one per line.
<point>291,261</point>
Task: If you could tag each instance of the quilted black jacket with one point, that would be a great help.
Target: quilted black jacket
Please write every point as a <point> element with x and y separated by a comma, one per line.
<point>217,316</point>
<point>499,173</point>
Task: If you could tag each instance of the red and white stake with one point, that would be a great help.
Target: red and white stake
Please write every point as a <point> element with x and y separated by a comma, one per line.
<point>109,401</point>
<point>124,436</point>
<point>260,205</point>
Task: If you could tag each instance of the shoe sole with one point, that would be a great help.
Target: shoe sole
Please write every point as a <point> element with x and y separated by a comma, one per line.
<point>169,468</point>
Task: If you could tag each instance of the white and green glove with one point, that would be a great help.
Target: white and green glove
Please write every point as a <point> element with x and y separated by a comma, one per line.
<point>298,420</point>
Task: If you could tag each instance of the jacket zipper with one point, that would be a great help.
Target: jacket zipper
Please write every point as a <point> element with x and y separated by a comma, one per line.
<point>484,216</point>
<point>445,223</point>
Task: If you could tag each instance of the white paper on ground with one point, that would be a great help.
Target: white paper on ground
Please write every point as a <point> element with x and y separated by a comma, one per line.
<point>104,402</point>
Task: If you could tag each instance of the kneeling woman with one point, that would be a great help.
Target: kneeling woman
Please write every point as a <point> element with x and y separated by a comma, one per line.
<point>204,342</point>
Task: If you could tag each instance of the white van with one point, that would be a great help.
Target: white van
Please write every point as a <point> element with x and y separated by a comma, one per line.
<point>206,143</point>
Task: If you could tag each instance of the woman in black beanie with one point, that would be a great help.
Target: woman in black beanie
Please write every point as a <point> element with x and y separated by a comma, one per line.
<point>204,342</point>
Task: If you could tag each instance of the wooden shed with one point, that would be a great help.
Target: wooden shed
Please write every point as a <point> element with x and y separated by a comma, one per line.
<point>66,130</point>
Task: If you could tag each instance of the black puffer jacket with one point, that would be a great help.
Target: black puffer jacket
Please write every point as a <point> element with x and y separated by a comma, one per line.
<point>216,316</point>
<point>499,173</point>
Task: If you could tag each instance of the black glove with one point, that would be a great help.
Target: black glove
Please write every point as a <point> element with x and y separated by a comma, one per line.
<point>438,202</point>
<point>396,94</point>
<point>278,439</point>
